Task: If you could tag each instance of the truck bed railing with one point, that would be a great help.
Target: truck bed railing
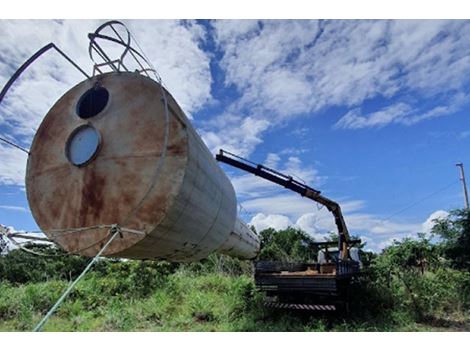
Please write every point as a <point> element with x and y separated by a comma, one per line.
<point>347,267</point>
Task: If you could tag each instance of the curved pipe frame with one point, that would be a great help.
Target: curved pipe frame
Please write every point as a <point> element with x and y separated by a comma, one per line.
<point>33,58</point>
<point>23,68</point>
<point>115,65</point>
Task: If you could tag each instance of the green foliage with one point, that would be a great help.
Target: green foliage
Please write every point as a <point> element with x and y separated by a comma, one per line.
<point>290,245</point>
<point>409,279</point>
<point>455,232</point>
<point>21,267</point>
<point>411,254</point>
<point>22,302</point>
<point>187,301</point>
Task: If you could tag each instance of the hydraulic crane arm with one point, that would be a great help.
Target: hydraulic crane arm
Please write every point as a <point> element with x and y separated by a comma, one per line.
<point>290,183</point>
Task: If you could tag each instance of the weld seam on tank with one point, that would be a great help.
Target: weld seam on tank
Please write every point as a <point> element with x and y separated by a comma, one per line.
<point>216,219</point>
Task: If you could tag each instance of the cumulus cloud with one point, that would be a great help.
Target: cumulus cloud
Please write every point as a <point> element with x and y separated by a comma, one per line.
<point>278,222</point>
<point>46,80</point>
<point>318,224</point>
<point>431,220</point>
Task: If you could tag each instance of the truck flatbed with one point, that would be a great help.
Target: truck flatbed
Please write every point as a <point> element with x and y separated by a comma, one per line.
<point>327,280</point>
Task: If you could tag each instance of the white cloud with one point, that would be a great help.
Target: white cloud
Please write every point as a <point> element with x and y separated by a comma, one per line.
<point>367,223</point>
<point>322,221</point>
<point>431,220</point>
<point>272,160</point>
<point>267,201</point>
<point>290,67</point>
<point>278,222</point>
<point>227,31</point>
<point>174,49</point>
<point>49,77</point>
<point>239,135</point>
<point>293,151</point>
<point>300,132</point>
<point>249,185</point>
<point>253,58</point>
<point>399,113</point>
<point>282,69</point>
<point>290,204</point>
<point>318,224</point>
<point>353,119</point>
<point>294,167</point>
<point>12,165</point>
<point>14,208</point>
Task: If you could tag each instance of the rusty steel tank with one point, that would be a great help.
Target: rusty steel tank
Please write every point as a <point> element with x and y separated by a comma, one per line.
<point>117,149</point>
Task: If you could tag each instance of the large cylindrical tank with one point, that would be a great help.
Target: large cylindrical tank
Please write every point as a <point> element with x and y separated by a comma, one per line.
<point>117,149</point>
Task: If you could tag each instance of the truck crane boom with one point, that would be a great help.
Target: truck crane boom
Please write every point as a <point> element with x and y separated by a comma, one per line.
<point>290,183</point>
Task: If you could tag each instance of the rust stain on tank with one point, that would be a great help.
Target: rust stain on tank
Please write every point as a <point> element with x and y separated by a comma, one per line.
<point>91,204</point>
<point>177,145</point>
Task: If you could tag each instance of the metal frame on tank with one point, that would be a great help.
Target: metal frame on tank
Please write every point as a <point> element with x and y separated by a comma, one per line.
<point>95,49</point>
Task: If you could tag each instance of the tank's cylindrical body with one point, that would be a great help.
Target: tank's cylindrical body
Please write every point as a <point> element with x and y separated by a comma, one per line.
<point>117,149</point>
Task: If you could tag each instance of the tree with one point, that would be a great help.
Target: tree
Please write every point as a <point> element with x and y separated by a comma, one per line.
<point>455,233</point>
<point>289,245</point>
<point>412,254</point>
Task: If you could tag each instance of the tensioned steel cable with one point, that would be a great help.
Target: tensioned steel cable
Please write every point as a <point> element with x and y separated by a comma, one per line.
<point>115,232</point>
<point>14,145</point>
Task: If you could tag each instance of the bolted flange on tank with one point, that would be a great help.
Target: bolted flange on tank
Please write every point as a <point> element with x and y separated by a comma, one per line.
<point>117,149</point>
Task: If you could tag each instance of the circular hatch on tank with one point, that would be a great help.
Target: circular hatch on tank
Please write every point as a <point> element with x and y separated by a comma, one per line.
<point>82,145</point>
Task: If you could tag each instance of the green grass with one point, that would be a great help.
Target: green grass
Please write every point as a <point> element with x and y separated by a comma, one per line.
<point>413,285</point>
<point>184,301</point>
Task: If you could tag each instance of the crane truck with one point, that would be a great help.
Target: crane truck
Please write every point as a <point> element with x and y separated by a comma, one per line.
<point>320,285</point>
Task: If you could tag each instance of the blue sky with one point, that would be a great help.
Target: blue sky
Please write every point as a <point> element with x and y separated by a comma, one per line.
<point>373,113</point>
